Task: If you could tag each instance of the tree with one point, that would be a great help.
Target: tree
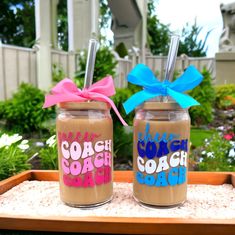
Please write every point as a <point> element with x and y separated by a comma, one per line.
<point>105,14</point>
<point>17,26</point>
<point>17,23</point>
<point>105,64</point>
<point>189,43</point>
<point>62,24</point>
<point>158,37</point>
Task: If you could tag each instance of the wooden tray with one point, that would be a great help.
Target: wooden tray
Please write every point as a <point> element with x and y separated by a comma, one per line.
<point>119,225</point>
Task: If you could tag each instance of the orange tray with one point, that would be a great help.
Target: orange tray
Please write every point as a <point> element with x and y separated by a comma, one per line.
<point>119,225</point>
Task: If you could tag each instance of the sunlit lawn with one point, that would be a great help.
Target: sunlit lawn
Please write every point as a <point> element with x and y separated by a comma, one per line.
<point>199,135</point>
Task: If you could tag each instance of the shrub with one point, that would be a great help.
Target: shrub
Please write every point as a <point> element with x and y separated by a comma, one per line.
<point>2,104</point>
<point>24,111</point>
<point>225,96</point>
<point>205,95</point>
<point>104,65</point>
<point>121,50</point>
<point>121,95</point>
<point>13,158</point>
<point>48,155</point>
<point>217,154</point>
<point>123,147</point>
<point>58,73</point>
<point>123,144</point>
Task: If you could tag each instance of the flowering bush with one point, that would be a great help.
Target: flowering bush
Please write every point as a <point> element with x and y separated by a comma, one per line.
<point>225,96</point>
<point>13,157</point>
<point>229,136</point>
<point>48,155</point>
<point>218,154</point>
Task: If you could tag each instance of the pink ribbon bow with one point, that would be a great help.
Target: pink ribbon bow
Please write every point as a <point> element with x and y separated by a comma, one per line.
<point>67,91</point>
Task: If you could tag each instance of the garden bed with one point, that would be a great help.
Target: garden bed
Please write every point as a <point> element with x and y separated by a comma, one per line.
<point>210,207</point>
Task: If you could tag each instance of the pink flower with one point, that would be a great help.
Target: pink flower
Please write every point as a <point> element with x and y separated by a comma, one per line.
<point>229,136</point>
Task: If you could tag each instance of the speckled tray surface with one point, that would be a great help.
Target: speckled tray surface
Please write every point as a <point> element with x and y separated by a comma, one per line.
<point>30,201</point>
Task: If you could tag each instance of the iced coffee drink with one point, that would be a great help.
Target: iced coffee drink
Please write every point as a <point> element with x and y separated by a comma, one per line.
<point>160,153</point>
<point>85,138</point>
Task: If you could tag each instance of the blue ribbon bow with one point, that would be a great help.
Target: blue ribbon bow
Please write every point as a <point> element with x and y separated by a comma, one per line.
<point>141,75</point>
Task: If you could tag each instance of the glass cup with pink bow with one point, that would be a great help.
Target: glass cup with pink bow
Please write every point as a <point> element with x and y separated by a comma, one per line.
<point>85,137</point>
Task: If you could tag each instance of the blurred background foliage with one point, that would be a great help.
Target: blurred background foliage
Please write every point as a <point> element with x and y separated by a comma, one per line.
<point>17,27</point>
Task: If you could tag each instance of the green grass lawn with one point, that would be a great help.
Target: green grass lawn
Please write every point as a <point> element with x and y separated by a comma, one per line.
<point>198,136</point>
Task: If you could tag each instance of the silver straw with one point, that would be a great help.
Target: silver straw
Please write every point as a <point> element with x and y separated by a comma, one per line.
<point>172,56</point>
<point>90,63</point>
<point>170,63</point>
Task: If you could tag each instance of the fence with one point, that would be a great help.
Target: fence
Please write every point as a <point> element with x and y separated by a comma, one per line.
<point>19,64</point>
<point>65,60</point>
<point>123,67</point>
<point>157,65</point>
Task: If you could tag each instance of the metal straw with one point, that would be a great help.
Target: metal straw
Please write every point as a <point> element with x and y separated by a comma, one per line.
<point>170,63</point>
<point>90,63</point>
<point>171,59</point>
